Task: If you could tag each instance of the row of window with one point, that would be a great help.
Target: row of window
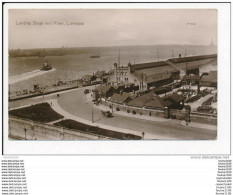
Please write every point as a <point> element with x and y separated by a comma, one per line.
<point>119,79</point>
<point>122,73</point>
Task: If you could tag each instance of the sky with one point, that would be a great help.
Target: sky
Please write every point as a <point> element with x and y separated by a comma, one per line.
<point>39,28</point>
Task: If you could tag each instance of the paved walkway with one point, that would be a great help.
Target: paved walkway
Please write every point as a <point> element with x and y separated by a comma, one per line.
<point>73,106</point>
<point>88,98</point>
<point>200,125</point>
<point>196,104</point>
<point>27,105</point>
<point>157,119</point>
<point>56,107</point>
<point>39,99</point>
<point>122,113</point>
<point>215,105</point>
<point>57,121</point>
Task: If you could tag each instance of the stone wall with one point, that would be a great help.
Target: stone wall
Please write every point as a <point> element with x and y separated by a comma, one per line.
<point>136,110</point>
<point>206,119</point>
<point>174,113</point>
<point>177,114</point>
<point>40,131</point>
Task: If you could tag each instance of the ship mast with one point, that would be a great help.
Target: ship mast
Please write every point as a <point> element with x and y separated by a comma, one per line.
<point>158,53</point>
<point>119,57</point>
<point>212,43</point>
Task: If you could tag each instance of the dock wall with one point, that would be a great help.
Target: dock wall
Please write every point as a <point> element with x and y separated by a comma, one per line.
<point>40,131</point>
<point>210,119</point>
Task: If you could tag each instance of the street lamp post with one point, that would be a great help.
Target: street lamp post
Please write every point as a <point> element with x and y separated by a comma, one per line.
<point>9,92</point>
<point>25,130</point>
<point>143,135</point>
<point>33,131</point>
<point>9,134</point>
<point>92,115</point>
<point>187,114</point>
<point>167,112</point>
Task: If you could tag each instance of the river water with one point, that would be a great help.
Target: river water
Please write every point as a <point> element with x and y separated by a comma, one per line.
<point>24,72</point>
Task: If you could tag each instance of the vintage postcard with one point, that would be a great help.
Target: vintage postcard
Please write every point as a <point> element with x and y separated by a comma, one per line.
<point>112,74</point>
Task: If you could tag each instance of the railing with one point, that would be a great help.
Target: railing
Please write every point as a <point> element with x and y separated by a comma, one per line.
<point>204,114</point>
<point>135,107</point>
<point>56,128</point>
<point>172,112</point>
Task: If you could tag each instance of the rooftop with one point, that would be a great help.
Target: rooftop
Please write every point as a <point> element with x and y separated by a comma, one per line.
<point>156,102</point>
<point>192,58</point>
<point>159,90</point>
<point>211,77</point>
<point>148,65</point>
<point>87,76</point>
<point>194,77</point>
<point>151,78</point>
<point>156,77</point>
<point>164,66</point>
<point>99,73</point>
<point>142,100</point>
<point>174,98</point>
<point>104,88</point>
<point>158,70</point>
<point>120,98</point>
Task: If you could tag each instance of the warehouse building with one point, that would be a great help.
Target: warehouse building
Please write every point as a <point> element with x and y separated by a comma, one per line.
<point>157,74</point>
<point>144,76</point>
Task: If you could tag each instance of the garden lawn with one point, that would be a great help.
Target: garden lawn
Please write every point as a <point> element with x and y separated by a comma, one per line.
<point>71,124</point>
<point>40,112</point>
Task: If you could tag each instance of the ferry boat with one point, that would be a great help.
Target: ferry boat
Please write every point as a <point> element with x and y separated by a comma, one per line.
<point>46,66</point>
<point>96,56</point>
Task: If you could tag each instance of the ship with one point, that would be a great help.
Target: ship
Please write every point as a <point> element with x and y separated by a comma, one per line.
<point>96,56</point>
<point>46,66</point>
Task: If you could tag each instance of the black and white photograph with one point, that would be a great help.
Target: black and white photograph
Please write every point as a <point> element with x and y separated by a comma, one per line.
<point>112,74</point>
<point>116,98</point>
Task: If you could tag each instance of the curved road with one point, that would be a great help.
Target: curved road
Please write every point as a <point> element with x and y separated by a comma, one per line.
<point>74,103</point>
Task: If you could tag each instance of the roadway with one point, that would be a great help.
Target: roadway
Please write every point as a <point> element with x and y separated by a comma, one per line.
<point>73,101</point>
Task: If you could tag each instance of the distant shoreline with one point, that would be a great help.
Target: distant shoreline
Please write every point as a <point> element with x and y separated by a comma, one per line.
<point>115,46</point>
<point>63,51</point>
